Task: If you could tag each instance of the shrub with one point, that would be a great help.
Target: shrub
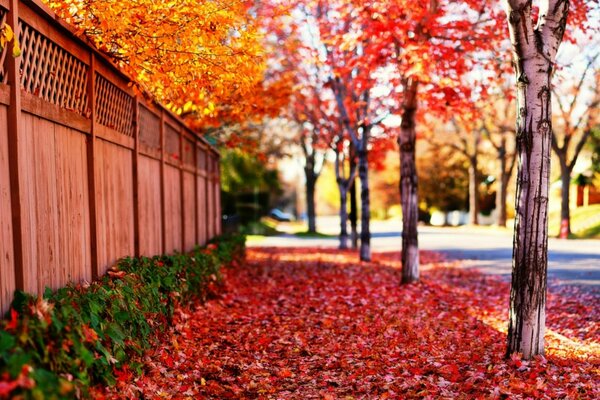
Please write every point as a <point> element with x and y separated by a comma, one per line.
<point>56,346</point>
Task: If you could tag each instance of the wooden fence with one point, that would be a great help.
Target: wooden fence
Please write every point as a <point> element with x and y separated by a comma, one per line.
<point>89,173</point>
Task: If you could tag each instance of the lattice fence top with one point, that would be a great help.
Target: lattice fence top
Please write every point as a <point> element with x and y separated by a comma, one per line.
<point>188,152</point>
<point>52,73</point>
<point>114,107</point>
<point>201,159</point>
<point>149,129</point>
<point>172,141</point>
<point>3,75</point>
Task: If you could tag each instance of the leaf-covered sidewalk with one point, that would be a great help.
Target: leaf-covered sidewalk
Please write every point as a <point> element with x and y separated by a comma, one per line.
<point>313,323</point>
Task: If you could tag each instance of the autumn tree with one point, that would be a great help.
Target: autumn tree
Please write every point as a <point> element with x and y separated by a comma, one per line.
<point>204,60</point>
<point>428,42</point>
<point>573,128</point>
<point>308,109</point>
<point>535,38</point>
<point>353,61</point>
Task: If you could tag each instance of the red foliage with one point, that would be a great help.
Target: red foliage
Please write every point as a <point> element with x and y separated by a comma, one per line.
<point>313,323</point>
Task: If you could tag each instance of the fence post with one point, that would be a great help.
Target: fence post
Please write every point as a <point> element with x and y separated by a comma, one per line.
<point>196,198</point>
<point>207,192</point>
<point>162,181</point>
<point>218,217</point>
<point>182,189</point>
<point>14,137</point>
<point>136,186</point>
<point>91,162</point>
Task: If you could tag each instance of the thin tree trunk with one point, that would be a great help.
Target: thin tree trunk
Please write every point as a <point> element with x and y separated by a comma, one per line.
<point>310,200</point>
<point>409,187</point>
<point>343,216</point>
<point>501,199</point>
<point>353,205</point>
<point>473,192</point>
<point>365,233</point>
<point>502,187</point>
<point>534,51</point>
<point>565,212</point>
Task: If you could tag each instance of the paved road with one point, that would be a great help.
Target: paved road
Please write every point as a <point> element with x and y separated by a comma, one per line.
<point>573,262</point>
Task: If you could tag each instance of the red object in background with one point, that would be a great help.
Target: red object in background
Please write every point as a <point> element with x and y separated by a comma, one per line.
<point>564,229</point>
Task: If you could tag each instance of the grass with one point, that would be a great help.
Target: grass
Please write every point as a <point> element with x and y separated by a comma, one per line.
<point>585,222</point>
<point>313,235</point>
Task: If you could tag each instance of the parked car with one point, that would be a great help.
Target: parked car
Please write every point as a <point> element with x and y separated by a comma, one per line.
<point>281,216</point>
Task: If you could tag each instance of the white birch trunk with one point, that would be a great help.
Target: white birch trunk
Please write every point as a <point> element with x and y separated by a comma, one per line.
<point>534,52</point>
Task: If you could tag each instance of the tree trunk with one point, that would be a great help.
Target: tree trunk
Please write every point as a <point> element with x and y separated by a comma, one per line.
<point>363,173</point>
<point>343,216</point>
<point>473,192</point>
<point>409,187</point>
<point>565,212</point>
<point>353,205</point>
<point>502,188</point>
<point>310,200</point>
<point>534,51</point>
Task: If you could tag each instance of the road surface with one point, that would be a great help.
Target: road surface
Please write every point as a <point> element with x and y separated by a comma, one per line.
<point>571,262</point>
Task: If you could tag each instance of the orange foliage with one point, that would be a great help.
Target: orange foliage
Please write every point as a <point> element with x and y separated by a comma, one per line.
<point>201,58</point>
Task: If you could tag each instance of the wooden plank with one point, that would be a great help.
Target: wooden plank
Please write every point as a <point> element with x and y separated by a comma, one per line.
<point>150,206</point>
<point>15,150</point>
<point>115,137</point>
<point>202,222</point>
<point>163,212</point>
<point>210,207</point>
<point>150,152</point>
<point>91,170</point>
<point>183,216</point>
<point>114,197</point>
<point>7,267</point>
<point>173,212</point>
<point>189,210</point>
<point>73,206</point>
<point>4,94</point>
<point>136,186</point>
<point>42,244</point>
<point>38,106</point>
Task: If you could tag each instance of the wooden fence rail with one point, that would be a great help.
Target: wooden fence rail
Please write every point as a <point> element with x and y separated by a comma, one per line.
<point>89,173</point>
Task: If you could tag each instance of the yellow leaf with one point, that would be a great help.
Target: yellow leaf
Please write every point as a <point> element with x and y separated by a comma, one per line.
<point>8,33</point>
<point>16,49</point>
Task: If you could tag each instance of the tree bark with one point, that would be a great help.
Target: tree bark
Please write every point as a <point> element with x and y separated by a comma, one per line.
<point>363,173</point>
<point>473,191</point>
<point>409,186</point>
<point>534,51</point>
<point>311,180</point>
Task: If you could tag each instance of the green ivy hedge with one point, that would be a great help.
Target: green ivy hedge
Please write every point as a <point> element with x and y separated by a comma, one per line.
<point>58,345</point>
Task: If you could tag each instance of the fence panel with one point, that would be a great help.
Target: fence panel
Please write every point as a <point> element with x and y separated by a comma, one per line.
<point>85,166</point>
<point>114,203</point>
<point>149,206</point>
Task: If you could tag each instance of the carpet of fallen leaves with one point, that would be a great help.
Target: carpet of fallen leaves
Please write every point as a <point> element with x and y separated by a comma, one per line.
<point>317,324</point>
